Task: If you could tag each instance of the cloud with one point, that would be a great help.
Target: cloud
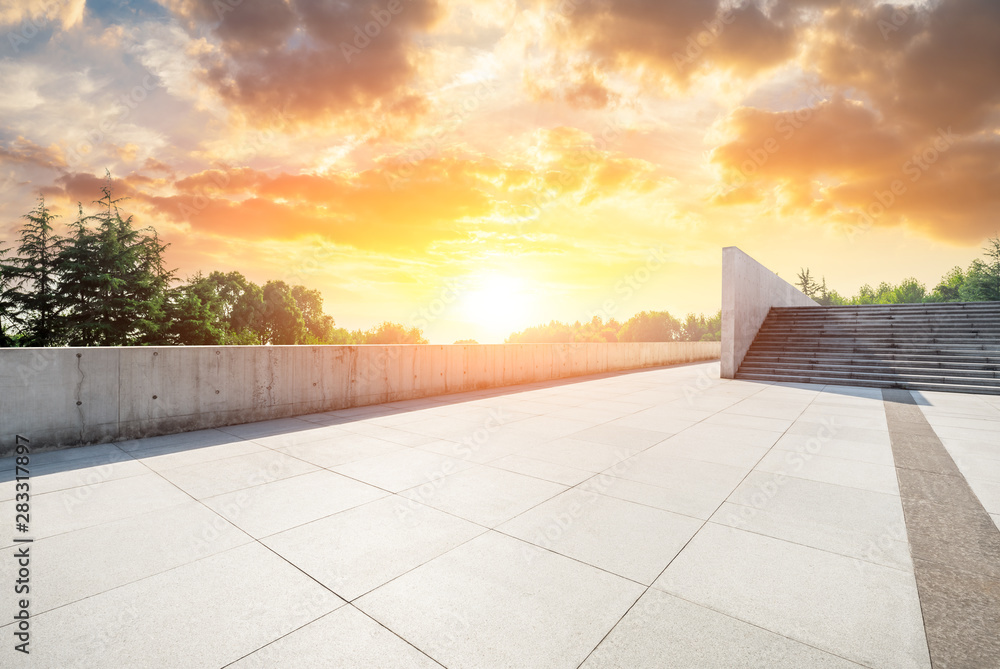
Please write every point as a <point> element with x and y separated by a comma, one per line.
<point>398,204</point>
<point>36,12</point>
<point>930,65</point>
<point>841,161</point>
<point>25,152</point>
<point>312,60</point>
<point>672,40</point>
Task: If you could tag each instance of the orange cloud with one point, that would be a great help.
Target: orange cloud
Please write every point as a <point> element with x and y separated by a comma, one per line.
<point>842,161</point>
<point>25,152</point>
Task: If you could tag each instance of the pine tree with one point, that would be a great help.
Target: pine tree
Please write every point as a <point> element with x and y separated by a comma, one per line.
<point>112,280</point>
<point>34,279</point>
<point>9,317</point>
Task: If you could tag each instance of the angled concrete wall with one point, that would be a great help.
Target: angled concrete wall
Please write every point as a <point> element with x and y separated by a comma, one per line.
<point>749,290</point>
<point>68,396</point>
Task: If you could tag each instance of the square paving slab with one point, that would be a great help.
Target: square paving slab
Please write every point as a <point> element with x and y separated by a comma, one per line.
<point>658,518</point>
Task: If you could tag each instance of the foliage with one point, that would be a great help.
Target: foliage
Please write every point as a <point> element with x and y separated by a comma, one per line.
<point>30,280</point>
<point>104,283</point>
<point>980,283</point>
<point>644,326</point>
<point>111,282</point>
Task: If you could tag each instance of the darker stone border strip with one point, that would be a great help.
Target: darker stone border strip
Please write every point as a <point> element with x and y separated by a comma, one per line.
<point>954,543</point>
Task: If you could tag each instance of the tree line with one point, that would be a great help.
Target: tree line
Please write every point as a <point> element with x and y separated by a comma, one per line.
<point>644,326</point>
<point>105,284</point>
<point>979,283</point>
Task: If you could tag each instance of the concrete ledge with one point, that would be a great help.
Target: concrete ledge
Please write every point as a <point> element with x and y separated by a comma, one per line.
<point>749,290</point>
<point>60,397</point>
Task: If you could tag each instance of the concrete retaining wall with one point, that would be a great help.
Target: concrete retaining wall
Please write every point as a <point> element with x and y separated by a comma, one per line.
<point>749,290</point>
<point>68,396</point>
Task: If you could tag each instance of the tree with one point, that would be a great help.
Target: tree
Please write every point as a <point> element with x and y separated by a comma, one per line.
<point>33,279</point>
<point>980,284</point>
<point>909,291</point>
<point>283,322</point>
<point>241,307</point>
<point>112,281</point>
<point>319,325</point>
<point>702,328</point>
<point>651,326</point>
<point>194,311</point>
<point>949,289</point>
<point>394,333</point>
<point>806,283</point>
<point>8,307</point>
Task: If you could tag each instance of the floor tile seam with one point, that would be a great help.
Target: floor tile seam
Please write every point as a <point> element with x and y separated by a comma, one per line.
<point>74,487</point>
<point>716,510</point>
<point>761,627</point>
<point>828,551</point>
<point>833,457</point>
<point>250,541</point>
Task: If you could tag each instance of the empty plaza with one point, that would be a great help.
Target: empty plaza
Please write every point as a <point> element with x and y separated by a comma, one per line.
<point>656,518</point>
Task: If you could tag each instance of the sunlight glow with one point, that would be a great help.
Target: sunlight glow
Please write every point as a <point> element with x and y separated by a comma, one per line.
<point>497,302</point>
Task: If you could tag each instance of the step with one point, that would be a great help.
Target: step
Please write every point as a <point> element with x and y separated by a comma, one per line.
<point>899,339</point>
<point>943,306</point>
<point>906,385</point>
<point>861,371</point>
<point>878,375</point>
<point>956,323</point>
<point>929,362</point>
<point>934,349</point>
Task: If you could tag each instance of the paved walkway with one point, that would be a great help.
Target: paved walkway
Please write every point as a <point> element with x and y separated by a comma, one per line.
<point>660,518</point>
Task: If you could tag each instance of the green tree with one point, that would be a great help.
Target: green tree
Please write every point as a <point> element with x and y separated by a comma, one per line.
<point>33,279</point>
<point>240,304</point>
<point>111,280</point>
<point>702,328</point>
<point>982,282</point>
<point>8,306</point>
<point>909,291</point>
<point>194,311</point>
<point>806,283</point>
<point>283,322</point>
<point>949,289</point>
<point>651,326</point>
<point>320,326</point>
<point>393,333</point>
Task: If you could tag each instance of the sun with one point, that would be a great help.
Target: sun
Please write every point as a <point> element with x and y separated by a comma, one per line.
<point>497,303</point>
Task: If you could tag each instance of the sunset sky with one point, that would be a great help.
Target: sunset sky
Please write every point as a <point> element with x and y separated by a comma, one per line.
<point>477,166</point>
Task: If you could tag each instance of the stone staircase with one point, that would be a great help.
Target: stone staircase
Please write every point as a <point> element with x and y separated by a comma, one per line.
<point>951,346</point>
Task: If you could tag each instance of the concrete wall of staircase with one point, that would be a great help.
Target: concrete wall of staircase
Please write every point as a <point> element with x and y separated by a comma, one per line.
<point>749,290</point>
<point>69,396</point>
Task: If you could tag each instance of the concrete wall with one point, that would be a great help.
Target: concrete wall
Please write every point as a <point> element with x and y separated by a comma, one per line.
<point>749,290</point>
<point>67,396</point>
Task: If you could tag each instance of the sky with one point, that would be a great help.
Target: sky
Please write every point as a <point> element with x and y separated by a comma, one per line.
<point>474,167</point>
